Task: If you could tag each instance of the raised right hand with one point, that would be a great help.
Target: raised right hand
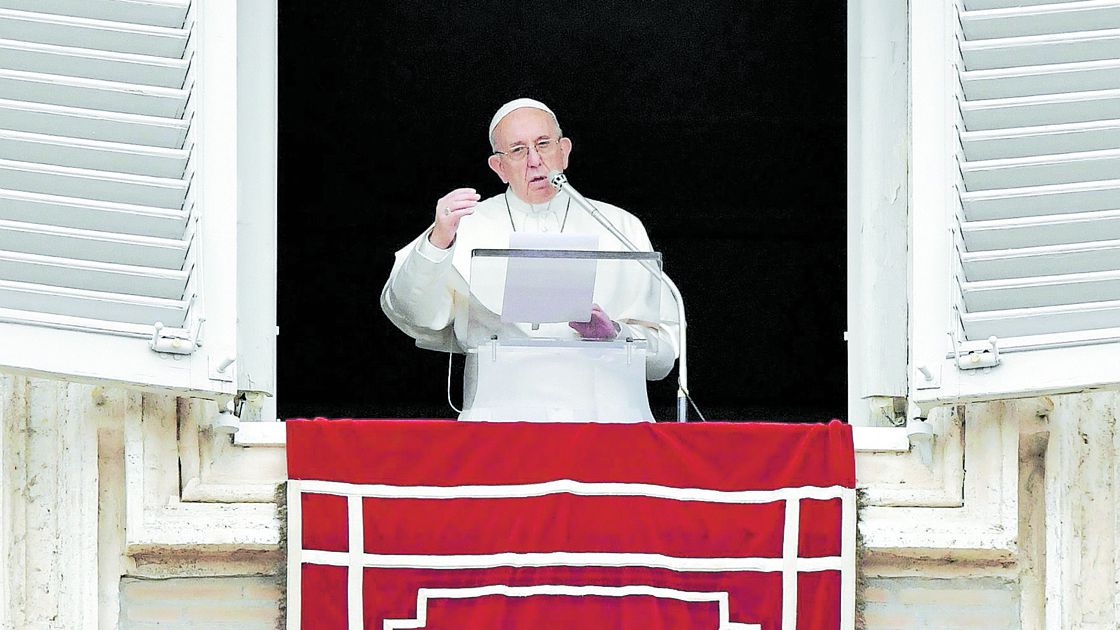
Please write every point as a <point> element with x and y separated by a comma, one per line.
<point>450,209</point>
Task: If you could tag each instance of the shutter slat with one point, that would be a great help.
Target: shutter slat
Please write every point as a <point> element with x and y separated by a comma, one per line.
<point>979,5</point>
<point>1063,78</point>
<point>1037,141</point>
<point>1068,168</point>
<point>1062,229</point>
<point>94,246</point>
<point>109,96</point>
<point>90,154</point>
<point>82,274</point>
<point>1059,290</point>
<point>1047,260</point>
<point>50,320</point>
<point>1041,200</point>
<point>92,124</point>
<point>104,35</point>
<point>168,13</point>
<point>89,214</point>
<point>1041,19</point>
<point>88,184</point>
<point>91,304</point>
<point>1049,109</point>
<point>1042,321</point>
<point>93,64</point>
<point>1041,50</point>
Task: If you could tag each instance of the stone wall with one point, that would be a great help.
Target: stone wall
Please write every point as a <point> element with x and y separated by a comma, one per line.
<point>229,603</point>
<point>916,603</point>
<point>120,509</point>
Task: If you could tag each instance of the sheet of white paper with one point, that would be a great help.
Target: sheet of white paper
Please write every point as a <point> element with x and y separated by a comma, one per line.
<point>549,290</point>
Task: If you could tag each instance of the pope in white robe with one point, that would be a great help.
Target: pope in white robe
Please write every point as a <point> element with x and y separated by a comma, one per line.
<point>428,292</point>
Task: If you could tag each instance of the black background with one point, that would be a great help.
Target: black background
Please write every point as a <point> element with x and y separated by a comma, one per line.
<point>720,124</point>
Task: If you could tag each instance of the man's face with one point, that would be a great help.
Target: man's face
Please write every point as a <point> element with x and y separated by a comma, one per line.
<point>528,177</point>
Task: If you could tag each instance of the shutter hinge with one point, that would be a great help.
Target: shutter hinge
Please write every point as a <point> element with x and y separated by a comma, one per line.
<point>176,340</point>
<point>887,411</point>
<point>247,406</point>
<point>972,355</point>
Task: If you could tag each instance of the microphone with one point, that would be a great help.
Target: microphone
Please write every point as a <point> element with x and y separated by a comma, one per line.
<point>559,181</point>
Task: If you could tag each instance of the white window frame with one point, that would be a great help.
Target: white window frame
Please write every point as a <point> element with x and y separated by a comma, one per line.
<point>234,69</point>
<point>878,207</point>
<point>257,127</point>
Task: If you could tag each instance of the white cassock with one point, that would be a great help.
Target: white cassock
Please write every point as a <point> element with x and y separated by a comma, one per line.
<point>428,297</point>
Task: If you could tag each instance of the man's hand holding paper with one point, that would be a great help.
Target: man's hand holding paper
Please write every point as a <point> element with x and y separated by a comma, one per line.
<point>599,326</point>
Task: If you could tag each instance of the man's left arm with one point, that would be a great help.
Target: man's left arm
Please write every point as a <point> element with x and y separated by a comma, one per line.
<point>666,330</point>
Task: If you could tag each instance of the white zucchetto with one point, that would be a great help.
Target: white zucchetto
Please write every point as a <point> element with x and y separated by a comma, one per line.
<point>517,103</point>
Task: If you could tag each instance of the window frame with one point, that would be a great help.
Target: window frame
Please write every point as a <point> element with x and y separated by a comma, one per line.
<point>878,210</point>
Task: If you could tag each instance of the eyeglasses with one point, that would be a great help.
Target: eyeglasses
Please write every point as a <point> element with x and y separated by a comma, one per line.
<point>518,152</point>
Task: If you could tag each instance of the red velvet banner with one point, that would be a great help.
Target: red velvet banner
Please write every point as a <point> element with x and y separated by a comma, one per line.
<point>434,524</point>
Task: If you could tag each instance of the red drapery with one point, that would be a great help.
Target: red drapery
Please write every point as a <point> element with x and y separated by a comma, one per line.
<point>434,524</point>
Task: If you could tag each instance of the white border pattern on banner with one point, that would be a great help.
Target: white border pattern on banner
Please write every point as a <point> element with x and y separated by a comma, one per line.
<point>424,595</point>
<point>573,559</point>
<point>790,564</point>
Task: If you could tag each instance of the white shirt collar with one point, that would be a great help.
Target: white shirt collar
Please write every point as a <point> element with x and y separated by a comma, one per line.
<point>517,204</point>
<point>541,217</point>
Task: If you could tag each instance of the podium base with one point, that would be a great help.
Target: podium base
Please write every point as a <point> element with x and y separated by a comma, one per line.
<point>588,382</point>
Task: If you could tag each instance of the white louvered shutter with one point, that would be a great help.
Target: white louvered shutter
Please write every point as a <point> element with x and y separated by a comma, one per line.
<point>106,191</point>
<point>1034,218</point>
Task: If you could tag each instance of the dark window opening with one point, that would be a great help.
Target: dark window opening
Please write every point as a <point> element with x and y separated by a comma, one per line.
<point>720,124</point>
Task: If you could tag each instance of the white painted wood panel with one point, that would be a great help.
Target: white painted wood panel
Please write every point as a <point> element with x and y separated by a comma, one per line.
<point>168,13</point>
<point>1048,109</point>
<point>1042,170</point>
<point>160,192</point>
<point>1038,141</point>
<point>113,155</point>
<point>108,247</point>
<point>878,194</point>
<point>1041,261</point>
<point>1039,80</point>
<point>1040,19</point>
<point>1041,49</point>
<point>97,276</point>
<point>93,64</point>
<point>1039,167</point>
<point>90,124</point>
<point>92,154</point>
<point>96,34</point>
<point>1041,200</point>
<point>1044,320</point>
<point>1033,231</point>
<point>96,305</point>
<point>92,215</point>
<point>1060,289</point>
<point>977,5</point>
<point>111,96</point>
<point>94,160</point>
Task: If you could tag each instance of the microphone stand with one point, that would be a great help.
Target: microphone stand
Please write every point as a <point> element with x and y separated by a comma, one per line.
<point>559,181</point>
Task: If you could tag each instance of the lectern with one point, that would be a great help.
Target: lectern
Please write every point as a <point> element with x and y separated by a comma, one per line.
<point>527,364</point>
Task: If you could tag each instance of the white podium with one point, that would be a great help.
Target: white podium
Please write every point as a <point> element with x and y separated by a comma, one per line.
<point>542,371</point>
